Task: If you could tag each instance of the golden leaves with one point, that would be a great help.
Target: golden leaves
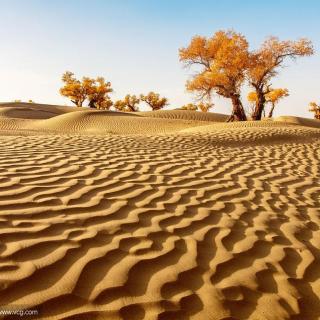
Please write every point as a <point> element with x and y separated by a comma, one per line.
<point>205,106</point>
<point>265,62</point>
<point>98,91</point>
<point>202,106</point>
<point>273,96</point>
<point>276,94</point>
<point>224,59</point>
<point>154,101</point>
<point>189,106</point>
<point>315,108</point>
<point>128,104</point>
<point>94,90</point>
<point>225,62</point>
<point>252,97</point>
<point>73,89</point>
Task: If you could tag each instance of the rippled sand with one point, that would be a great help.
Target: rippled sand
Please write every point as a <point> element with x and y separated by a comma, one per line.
<point>188,219</point>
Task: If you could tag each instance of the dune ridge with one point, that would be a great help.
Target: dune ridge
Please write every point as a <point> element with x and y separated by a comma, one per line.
<point>185,115</point>
<point>189,220</point>
<point>40,107</point>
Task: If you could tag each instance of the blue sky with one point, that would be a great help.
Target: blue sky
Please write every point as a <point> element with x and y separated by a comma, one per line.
<point>134,44</point>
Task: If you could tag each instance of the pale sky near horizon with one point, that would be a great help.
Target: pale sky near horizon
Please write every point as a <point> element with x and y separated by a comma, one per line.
<point>134,44</point>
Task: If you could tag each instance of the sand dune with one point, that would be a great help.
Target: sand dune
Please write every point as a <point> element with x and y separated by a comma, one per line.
<point>114,123</point>
<point>17,109</point>
<point>187,219</point>
<point>299,121</point>
<point>185,115</point>
<point>26,113</point>
<point>98,123</point>
<point>64,119</point>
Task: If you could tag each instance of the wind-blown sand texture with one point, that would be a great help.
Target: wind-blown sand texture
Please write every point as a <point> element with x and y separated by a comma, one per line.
<point>188,219</point>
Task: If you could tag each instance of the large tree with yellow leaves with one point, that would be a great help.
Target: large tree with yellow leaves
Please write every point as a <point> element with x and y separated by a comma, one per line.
<point>222,62</point>
<point>266,62</point>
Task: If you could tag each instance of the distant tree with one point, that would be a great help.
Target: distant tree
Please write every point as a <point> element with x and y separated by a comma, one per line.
<point>154,101</point>
<point>189,106</point>
<point>274,96</point>
<point>205,106</point>
<point>202,106</point>
<point>17,100</point>
<point>98,94</point>
<point>315,108</point>
<point>95,90</point>
<point>128,104</point>
<point>105,104</point>
<point>74,89</point>
<point>266,62</point>
<point>30,101</point>
<point>223,60</point>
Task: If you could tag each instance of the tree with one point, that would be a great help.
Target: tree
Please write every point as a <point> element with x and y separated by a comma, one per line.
<point>205,106</point>
<point>202,106</point>
<point>189,106</point>
<point>105,104</point>
<point>274,96</point>
<point>95,90</point>
<point>98,94</point>
<point>266,62</point>
<point>315,108</point>
<point>223,60</point>
<point>128,104</point>
<point>74,89</point>
<point>154,101</point>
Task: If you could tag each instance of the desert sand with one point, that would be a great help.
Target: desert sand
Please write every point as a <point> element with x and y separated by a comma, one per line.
<point>163,215</point>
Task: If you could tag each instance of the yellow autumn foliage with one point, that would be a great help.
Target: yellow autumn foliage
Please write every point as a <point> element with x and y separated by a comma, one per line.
<point>189,106</point>
<point>94,90</point>
<point>223,60</point>
<point>315,108</point>
<point>128,104</point>
<point>154,101</point>
<point>266,62</point>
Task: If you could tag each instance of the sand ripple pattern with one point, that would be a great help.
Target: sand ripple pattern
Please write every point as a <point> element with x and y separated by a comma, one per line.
<point>161,227</point>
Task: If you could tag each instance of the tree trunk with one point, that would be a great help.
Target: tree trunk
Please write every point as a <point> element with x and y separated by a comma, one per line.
<point>271,111</point>
<point>131,108</point>
<point>92,104</point>
<point>238,113</point>
<point>257,113</point>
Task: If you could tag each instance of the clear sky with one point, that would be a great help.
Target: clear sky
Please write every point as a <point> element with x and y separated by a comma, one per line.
<point>134,44</point>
